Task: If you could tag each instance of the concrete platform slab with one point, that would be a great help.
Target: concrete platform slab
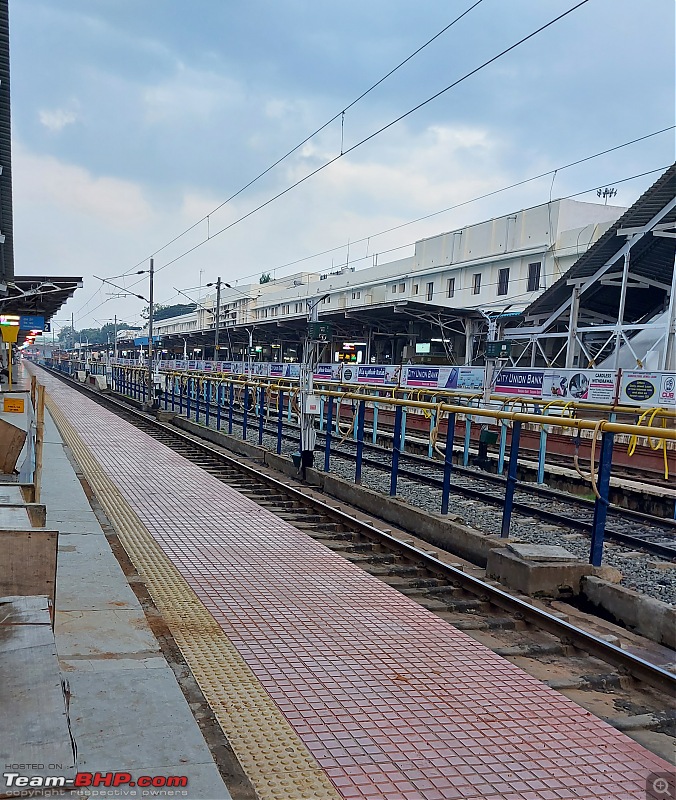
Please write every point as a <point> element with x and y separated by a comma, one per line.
<point>128,712</point>
<point>103,633</point>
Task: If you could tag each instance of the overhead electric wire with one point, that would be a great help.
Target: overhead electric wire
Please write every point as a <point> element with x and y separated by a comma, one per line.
<point>376,133</point>
<point>290,152</point>
<point>463,203</point>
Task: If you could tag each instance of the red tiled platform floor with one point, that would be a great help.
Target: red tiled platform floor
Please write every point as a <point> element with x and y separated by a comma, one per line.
<point>392,701</point>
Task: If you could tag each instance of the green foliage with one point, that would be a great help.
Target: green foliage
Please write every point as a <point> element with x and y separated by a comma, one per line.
<point>265,278</point>
<point>165,312</point>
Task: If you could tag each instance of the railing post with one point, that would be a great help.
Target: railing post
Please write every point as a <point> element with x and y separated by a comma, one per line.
<point>219,398</point>
<point>245,415</point>
<point>187,397</point>
<point>198,385</point>
<point>511,479</point>
<point>503,447</point>
<point>329,433</point>
<point>231,403</point>
<point>542,455</point>
<point>468,434</point>
<point>361,411</point>
<point>448,463</point>
<point>601,505</point>
<point>261,413</point>
<point>396,449</point>
<point>280,419</point>
<point>374,427</point>
<point>207,404</point>
<point>433,422</point>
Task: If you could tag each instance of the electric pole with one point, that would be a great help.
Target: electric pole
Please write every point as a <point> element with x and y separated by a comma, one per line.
<point>218,318</point>
<point>115,338</point>
<point>317,335</point>
<point>150,334</point>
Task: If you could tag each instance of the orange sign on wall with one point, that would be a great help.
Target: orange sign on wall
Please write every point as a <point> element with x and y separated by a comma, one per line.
<point>13,405</point>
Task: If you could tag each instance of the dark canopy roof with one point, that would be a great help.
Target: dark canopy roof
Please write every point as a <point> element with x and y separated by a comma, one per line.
<point>38,296</point>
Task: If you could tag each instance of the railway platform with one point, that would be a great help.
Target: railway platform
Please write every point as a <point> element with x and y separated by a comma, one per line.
<point>327,682</point>
<point>127,712</point>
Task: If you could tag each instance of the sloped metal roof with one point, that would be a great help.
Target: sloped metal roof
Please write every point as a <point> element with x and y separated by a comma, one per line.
<point>651,257</point>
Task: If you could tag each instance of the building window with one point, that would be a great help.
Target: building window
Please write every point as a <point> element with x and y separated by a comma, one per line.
<point>328,299</point>
<point>503,280</point>
<point>450,287</point>
<point>534,276</point>
<point>402,288</point>
<point>415,288</point>
<point>430,290</point>
<point>394,288</point>
<point>476,283</point>
<point>356,295</point>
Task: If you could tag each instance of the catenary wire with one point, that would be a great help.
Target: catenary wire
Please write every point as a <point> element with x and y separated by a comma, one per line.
<point>290,152</point>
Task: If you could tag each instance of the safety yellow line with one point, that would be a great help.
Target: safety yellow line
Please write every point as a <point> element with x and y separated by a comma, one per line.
<point>278,764</point>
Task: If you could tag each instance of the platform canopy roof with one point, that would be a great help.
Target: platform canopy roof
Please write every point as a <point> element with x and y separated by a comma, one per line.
<point>37,296</point>
<point>598,271</point>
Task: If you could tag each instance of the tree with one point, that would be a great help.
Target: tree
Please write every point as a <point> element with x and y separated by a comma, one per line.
<point>165,312</point>
<point>265,278</point>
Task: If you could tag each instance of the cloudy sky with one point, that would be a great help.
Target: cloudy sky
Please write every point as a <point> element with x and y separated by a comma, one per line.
<point>134,119</point>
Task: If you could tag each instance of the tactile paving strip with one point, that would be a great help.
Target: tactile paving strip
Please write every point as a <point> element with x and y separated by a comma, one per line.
<point>276,761</point>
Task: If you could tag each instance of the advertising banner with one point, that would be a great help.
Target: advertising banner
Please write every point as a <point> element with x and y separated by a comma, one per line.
<point>375,374</point>
<point>648,389</point>
<point>259,368</point>
<point>461,378</point>
<point>327,372</point>
<point>519,382</point>
<point>582,386</point>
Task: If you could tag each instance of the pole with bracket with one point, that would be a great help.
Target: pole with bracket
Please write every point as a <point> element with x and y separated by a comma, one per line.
<point>218,317</point>
<point>150,333</point>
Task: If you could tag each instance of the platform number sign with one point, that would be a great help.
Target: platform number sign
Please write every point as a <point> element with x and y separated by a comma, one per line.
<point>319,332</point>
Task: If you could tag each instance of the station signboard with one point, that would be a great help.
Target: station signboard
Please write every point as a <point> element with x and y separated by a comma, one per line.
<point>31,323</point>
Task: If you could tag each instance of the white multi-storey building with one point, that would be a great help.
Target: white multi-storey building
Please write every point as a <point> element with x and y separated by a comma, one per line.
<point>503,263</point>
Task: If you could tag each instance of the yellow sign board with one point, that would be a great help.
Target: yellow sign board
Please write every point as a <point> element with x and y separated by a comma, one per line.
<point>13,405</point>
<point>10,333</point>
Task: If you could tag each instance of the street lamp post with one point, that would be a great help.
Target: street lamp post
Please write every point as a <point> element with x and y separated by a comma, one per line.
<point>150,334</point>
<point>218,318</point>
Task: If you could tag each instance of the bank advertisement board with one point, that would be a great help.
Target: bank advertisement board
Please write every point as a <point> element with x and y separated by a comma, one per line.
<point>327,372</point>
<point>279,369</point>
<point>427,377</point>
<point>577,385</point>
<point>373,374</point>
<point>519,382</point>
<point>648,389</point>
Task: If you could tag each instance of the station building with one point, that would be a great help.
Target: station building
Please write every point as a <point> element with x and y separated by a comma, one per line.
<point>430,307</point>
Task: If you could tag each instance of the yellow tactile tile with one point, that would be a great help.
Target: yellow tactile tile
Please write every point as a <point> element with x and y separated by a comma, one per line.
<point>276,761</point>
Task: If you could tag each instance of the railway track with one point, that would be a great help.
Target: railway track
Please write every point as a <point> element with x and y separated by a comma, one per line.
<point>617,683</point>
<point>634,529</point>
